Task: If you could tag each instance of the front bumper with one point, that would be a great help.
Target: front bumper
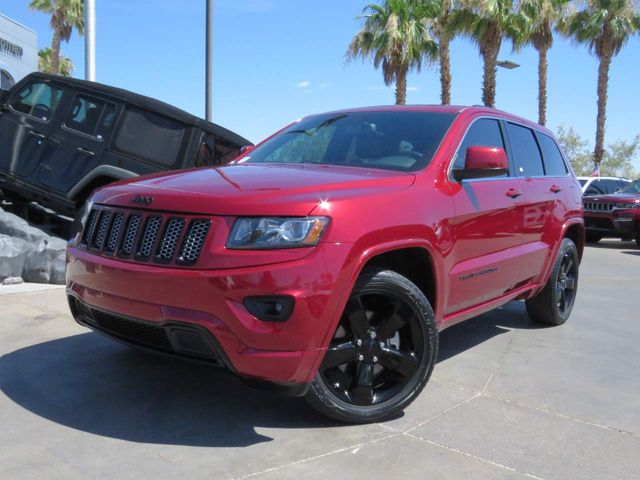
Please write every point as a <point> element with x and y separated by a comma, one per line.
<point>613,224</point>
<point>205,307</point>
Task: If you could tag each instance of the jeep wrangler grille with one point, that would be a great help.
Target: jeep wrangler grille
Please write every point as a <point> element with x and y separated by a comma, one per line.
<point>144,237</point>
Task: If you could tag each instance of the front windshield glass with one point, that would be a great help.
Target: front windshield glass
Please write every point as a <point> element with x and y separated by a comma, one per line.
<point>631,188</point>
<point>582,182</point>
<point>392,140</point>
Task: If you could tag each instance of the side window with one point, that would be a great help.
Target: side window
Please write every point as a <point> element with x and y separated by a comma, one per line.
<point>6,80</point>
<point>482,133</point>
<point>204,157</point>
<point>526,154</point>
<point>90,116</point>
<point>553,162</point>
<point>150,136</point>
<point>595,188</point>
<point>39,100</point>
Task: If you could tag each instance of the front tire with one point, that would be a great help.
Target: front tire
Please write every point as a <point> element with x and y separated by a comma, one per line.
<point>382,353</point>
<point>553,305</point>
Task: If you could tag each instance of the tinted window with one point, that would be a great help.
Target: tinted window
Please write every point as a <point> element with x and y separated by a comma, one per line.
<point>6,80</point>
<point>633,187</point>
<point>553,162</point>
<point>526,155</point>
<point>39,100</point>
<point>582,182</point>
<point>482,133</point>
<point>611,186</point>
<point>90,116</point>
<point>388,140</point>
<point>595,188</point>
<point>150,136</point>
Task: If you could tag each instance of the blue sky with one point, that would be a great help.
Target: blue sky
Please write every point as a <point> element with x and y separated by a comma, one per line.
<point>278,60</point>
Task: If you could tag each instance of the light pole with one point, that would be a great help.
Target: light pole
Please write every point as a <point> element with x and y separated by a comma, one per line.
<point>90,40</point>
<point>209,61</point>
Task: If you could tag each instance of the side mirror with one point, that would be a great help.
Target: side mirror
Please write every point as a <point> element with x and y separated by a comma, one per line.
<point>481,162</point>
<point>246,149</point>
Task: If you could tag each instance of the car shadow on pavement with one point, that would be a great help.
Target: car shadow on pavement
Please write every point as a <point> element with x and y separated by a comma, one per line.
<point>92,384</point>
<point>631,252</point>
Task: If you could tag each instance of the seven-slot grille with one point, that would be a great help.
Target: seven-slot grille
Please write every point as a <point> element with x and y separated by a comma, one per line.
<point>598,206</point>
<point>144,237</point>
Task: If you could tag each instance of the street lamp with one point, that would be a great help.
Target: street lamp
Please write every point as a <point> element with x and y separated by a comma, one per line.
<point>90,40</point>
<point>508,64</point>
<point>209,61</point>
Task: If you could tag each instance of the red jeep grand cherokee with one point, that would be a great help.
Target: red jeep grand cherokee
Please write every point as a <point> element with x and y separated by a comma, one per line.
<point>615,215</point>
<point>328,258</point>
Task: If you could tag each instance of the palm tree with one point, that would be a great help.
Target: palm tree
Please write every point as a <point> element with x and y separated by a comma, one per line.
<point>605,26</point>
<point>441,27</point>
<point>396,35</point>
<point>44,63</point>
<point>487,22</point>
<point>539,18</point>
<point>65,16</point>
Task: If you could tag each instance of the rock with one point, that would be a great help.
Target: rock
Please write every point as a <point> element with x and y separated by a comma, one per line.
<point>14,226</point>
<point>12,281</point>
<point>46,263</point>
<point>13,255</point>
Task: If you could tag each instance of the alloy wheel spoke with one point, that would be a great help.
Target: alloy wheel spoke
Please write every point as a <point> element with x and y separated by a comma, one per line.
<point>357,317</point>
<point>393,322</point>
<point>338,354</point>
<point>570,283</point>
<point>362,393</point>
<point>404,363</point>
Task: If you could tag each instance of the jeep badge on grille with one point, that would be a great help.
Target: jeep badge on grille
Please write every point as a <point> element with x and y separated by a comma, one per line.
<point>141,200</point>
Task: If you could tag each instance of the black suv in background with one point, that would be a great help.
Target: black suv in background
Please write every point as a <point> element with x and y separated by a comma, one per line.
<point>62,138</point>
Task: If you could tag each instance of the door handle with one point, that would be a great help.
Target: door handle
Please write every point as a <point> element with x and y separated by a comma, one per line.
<point>36,134</point>
<point>555,189</point>
<point>55,141</point>
<point>46,167</point>
<point>513,193</point>
<point>84,151</point>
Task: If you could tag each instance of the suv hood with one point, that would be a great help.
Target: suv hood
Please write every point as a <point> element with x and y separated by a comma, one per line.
<point>251,189</point>
<point>614,198</point>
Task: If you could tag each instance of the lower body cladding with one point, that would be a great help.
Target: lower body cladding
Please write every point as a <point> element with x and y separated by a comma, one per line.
<point>206,315</point>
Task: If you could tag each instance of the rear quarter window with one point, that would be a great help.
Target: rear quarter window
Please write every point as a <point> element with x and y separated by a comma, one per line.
<point>553,162</point>
<point>150,136</point>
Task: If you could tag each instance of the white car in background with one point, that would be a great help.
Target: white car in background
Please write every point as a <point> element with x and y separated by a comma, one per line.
<point>602,185</point>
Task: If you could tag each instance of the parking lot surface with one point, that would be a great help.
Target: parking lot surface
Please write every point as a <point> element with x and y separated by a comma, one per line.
<point>508,399</point>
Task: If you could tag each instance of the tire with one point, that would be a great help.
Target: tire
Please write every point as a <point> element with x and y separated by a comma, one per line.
<point>553,305</point>
<point>382,353</point>
<point>593,237</point>
<point>638,239</point>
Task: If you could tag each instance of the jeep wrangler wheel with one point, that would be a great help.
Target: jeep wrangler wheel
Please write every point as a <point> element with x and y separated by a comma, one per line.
<point>382,353</point>
<point>553,305</point>
<point>593,237</point>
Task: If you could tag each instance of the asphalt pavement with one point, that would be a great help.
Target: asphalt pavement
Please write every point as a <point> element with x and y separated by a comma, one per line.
<point>508,399</point>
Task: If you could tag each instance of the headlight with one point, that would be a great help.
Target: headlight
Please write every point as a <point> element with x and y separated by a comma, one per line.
<point>627,206</point>
<point>276,232</point>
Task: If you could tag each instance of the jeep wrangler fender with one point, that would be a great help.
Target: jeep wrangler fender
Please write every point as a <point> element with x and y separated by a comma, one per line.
<point>103,171</point>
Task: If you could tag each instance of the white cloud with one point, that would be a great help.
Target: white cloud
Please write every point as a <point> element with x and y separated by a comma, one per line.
<point>304,84</point>
<point>412,89</point>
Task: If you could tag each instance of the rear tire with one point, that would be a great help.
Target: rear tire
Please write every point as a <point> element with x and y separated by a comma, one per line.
<point>553,305</point>
<point>638,239</point>
<point>382,353</point>
<point>593,237</point>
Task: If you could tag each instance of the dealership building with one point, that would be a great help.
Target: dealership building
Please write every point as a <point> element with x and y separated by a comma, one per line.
<point>18,51</point>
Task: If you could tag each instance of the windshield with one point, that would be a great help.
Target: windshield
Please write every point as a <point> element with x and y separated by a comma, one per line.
<point>582,182</point>
<point>392,140</point>
<point>631,188</point>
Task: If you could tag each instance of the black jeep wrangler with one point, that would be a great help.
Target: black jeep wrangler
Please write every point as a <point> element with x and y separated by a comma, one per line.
<point>62,138</point>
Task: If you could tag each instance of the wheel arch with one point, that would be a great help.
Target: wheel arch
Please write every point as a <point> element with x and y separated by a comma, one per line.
<point>98,177</point>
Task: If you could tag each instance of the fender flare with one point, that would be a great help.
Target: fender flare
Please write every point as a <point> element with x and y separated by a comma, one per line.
<point>116,173</point>
<point>364,255</point>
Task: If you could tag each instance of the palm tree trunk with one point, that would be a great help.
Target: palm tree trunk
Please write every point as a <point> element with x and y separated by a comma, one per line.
<point>401,86</point>
<point>445,69</point>
<point>490,58</point>
<point>542,86</point>
<point>55,52</point>
<point>603,87</point>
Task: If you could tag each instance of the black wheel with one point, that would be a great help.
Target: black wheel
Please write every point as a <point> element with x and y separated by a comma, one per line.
<point>553,305</point>
<point>638,239</point>
<point>593,237</point>
<point>382,353</point>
